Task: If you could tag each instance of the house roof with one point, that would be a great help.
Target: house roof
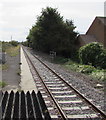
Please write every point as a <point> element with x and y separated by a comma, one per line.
<point>102,19</point>
<point>88,38</point>
<point>90,35</point>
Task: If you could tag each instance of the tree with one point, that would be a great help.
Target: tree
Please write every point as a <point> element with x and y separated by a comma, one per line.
<point>51,33</point>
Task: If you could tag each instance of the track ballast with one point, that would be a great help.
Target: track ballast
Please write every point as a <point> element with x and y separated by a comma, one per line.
<point>62,99</point>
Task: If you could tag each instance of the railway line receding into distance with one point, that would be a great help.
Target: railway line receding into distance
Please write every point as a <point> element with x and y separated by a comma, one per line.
<point>62,99</point>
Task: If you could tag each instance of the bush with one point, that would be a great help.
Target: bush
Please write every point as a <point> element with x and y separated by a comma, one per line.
<point>93,54</point>
<point>101,60</point>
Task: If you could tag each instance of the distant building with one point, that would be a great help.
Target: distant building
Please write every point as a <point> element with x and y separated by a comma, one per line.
<point>95,33</point>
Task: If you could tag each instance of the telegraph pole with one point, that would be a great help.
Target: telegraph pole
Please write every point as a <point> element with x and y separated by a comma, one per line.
<point>11,37</point>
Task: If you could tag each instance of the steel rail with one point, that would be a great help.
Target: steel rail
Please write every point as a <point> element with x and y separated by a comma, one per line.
<point>64,117</point>
<point>102,114</point>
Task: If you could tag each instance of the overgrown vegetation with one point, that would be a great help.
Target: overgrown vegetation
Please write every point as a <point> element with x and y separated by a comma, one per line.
<point>94,73</point>
<point>13,51</point>
<point>2,84</point>
<point>87,69</point>
<point>4,66</point>
<point>7,45</point>
<point>52,33</point>
<point>92,61</point>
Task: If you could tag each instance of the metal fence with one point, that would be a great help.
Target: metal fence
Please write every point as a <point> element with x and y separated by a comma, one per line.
<point>21,106</point>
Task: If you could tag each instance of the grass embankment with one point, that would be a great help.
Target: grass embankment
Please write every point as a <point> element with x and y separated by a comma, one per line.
<point>13,51</point>
<point>94,73</point>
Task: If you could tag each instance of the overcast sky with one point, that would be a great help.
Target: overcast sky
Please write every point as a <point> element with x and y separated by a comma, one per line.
<point>18,16</point>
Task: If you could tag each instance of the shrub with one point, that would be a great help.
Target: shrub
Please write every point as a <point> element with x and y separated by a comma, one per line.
<point>93,54</point>
<point>101,60</point>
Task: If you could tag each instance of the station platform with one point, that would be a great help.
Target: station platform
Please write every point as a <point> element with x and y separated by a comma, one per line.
<point>27,82</point>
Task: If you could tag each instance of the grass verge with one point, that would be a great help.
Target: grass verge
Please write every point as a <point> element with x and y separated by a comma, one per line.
<point>13,51</point>
<point>2,84</point>
<point>3,66</point>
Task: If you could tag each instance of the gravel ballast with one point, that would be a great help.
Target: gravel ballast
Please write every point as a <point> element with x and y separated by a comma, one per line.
<point>78,80</point>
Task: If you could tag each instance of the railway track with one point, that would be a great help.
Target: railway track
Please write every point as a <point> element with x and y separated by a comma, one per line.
<point>62,99</point>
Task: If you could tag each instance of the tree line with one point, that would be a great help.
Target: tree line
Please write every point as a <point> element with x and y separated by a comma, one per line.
<point>52,33</point>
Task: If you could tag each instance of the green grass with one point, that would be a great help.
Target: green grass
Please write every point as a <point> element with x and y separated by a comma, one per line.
<point>4,66</point>
<point>2,84</point>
